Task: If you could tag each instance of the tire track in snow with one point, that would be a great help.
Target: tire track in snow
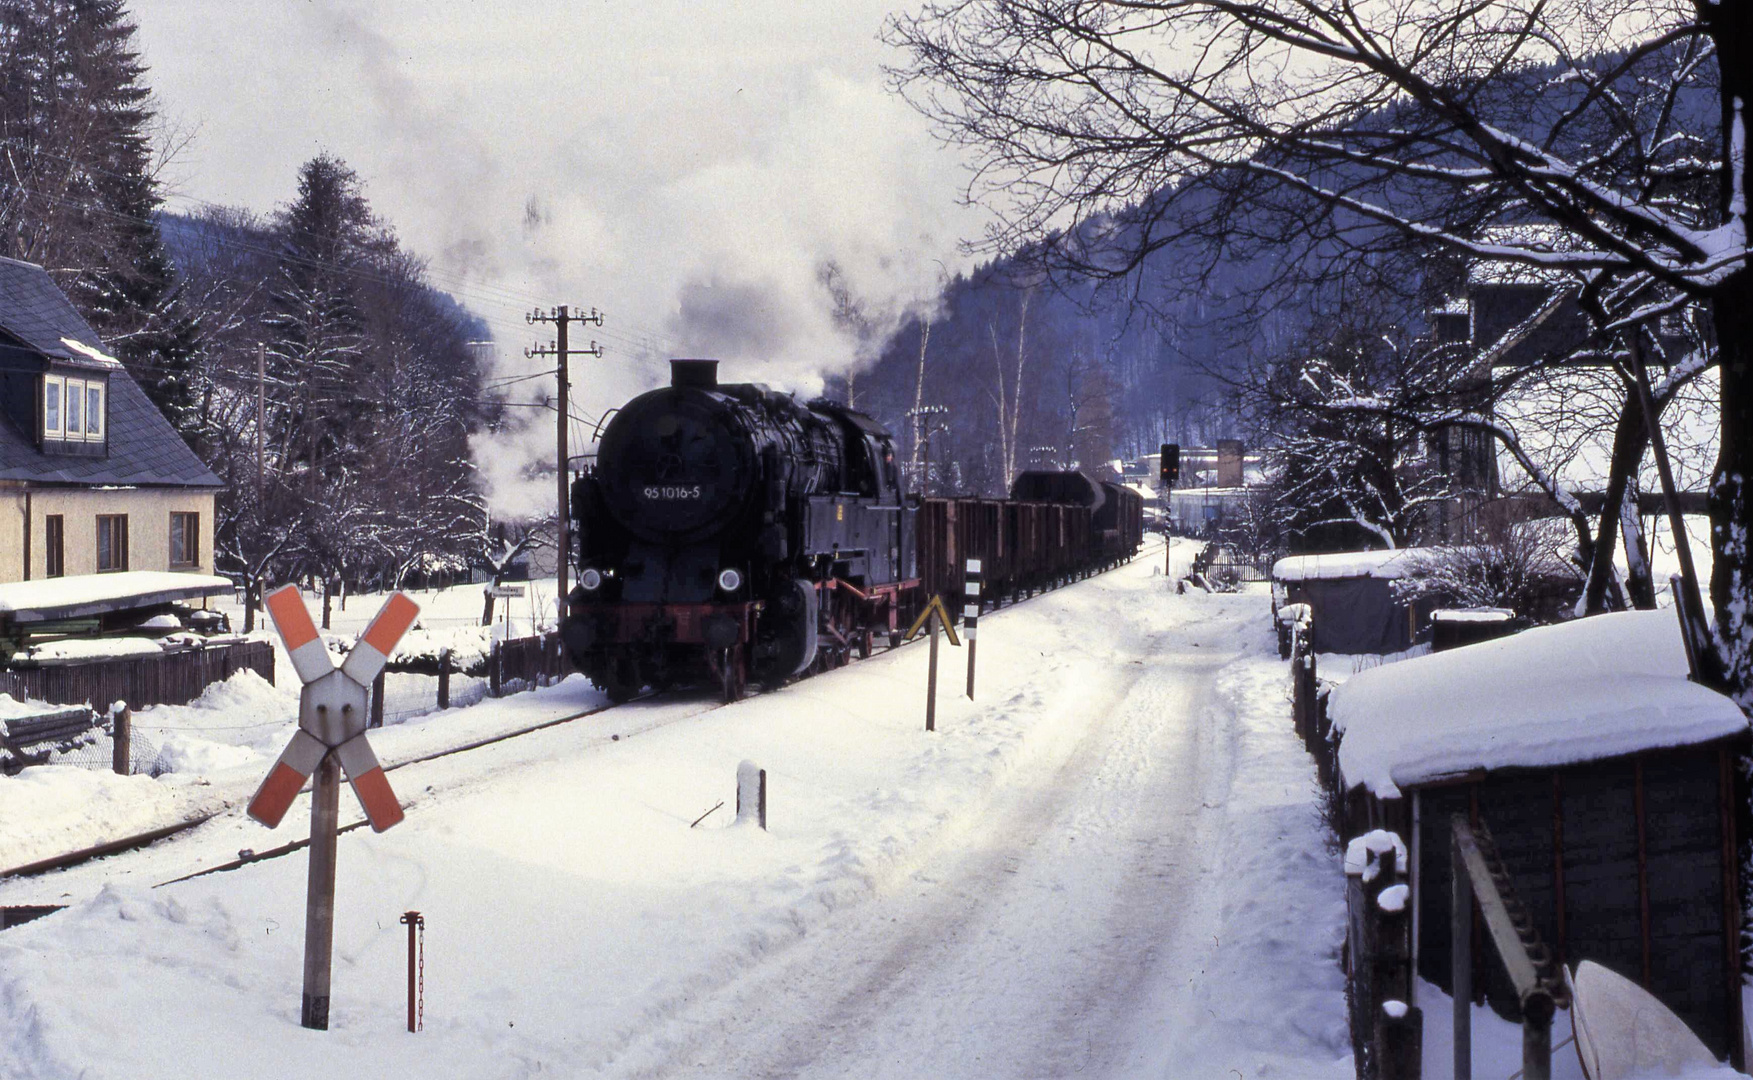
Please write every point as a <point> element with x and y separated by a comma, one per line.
<point>1018,954</point>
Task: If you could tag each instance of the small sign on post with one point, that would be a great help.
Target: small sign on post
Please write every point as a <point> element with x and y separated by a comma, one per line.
<point>332,719</point>
<point>971,617</point>
<point>935,617</point>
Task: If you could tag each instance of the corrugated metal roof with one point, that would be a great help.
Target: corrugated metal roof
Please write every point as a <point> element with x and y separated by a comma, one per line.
<point>143,448</point>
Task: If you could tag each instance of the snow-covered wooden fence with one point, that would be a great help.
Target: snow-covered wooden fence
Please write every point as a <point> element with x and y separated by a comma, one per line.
<point>529,660</point>
<point>440,675</point>
<point>171,678</point>
<point>1308,696</point>
<point>1386,1028</point>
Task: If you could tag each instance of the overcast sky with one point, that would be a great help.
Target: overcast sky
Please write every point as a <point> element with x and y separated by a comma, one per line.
<point>685,167</point>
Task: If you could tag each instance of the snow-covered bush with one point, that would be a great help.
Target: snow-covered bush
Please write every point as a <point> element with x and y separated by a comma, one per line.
<point>1521,568</point>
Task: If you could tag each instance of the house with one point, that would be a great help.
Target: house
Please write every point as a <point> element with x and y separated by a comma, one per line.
<point>1532,341</point>
<point>93,479</point>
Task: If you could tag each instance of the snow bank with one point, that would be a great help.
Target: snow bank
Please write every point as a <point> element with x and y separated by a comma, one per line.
<point>468,646</point>
<point>1594,688</point>
<point>51,809</point>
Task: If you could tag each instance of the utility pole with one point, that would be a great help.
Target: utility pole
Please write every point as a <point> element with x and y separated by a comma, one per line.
<point>562,318</point>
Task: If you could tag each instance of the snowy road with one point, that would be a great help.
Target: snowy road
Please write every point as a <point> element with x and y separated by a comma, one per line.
<point>1027,949</point>
<point>1110,865</point>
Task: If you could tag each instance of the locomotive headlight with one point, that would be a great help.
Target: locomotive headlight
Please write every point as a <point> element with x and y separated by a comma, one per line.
<point>590,580</point>
<point>729,579</point>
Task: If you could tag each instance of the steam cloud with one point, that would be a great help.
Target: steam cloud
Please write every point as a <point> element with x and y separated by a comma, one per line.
<point>687,169</point>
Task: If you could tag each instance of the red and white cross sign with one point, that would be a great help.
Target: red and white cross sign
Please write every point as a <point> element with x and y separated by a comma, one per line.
<point>331,709</point>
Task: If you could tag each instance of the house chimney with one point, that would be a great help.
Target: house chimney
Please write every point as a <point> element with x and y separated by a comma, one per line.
<point>694,374</point>
<point>1229,463</point>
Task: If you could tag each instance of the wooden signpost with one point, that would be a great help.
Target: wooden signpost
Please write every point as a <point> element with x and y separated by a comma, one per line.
<point>330,738</point>
<point>935,617</point>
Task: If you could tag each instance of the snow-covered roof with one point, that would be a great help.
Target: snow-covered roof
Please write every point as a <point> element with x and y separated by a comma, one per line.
<point>1555,695</point>
<point>116,648</point>
<point>1349,564</point>
<point>93,594</point>
<point>1472,615</point>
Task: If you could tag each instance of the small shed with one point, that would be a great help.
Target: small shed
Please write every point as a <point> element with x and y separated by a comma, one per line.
<point>1609,781</point>
<point>1352,596</point>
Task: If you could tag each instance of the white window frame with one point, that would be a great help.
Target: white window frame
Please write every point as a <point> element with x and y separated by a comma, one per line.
<point>94,406</point>
<point>58,429</point>
<point>75,393</point>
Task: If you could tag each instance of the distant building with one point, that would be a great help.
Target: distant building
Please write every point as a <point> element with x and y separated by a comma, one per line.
<point>1218,485</point>
<point>93,479</point>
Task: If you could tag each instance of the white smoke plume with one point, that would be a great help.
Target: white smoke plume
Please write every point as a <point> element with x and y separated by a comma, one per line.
<point>686,169</point>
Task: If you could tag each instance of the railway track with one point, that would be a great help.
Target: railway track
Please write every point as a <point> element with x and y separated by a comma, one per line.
<point>152,836</point>
<point>144,839</point>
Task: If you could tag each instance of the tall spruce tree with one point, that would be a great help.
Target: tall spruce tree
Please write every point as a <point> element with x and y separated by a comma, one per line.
<point>77,186</point>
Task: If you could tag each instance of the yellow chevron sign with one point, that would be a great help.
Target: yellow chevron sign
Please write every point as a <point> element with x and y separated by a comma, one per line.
<point>943,620</point>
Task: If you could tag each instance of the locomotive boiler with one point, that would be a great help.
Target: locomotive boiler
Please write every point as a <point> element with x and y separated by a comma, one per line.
<point>717,524</point>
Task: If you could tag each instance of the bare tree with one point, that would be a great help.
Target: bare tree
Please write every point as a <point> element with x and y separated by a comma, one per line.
<point>1103,132</point>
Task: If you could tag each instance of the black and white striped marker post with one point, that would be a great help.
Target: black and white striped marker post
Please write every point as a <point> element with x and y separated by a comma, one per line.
<point>971,617</point>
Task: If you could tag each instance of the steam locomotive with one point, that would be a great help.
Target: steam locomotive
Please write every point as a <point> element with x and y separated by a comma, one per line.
<point>733,534</point>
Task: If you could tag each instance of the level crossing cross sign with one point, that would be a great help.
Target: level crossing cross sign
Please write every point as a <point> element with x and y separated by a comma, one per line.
<point>331,709</point>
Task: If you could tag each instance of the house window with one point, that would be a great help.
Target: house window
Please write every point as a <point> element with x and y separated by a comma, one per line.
<point>73,413</point>
<point>54,556</point>
<point>112,542</point>
<point>54,390</point>
<point>185,539</point>
<point>75,408</point>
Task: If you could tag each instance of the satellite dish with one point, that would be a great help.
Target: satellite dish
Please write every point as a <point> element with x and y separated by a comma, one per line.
<point>1622,1031</point>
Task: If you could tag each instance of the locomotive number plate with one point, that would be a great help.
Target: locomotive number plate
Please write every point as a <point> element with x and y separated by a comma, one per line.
<point>672,494</point>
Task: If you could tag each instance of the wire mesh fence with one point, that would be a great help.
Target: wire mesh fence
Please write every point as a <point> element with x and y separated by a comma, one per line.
<point>407,695</point>
<point>92,748</point>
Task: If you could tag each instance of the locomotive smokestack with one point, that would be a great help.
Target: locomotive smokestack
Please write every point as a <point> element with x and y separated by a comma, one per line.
<point>695,374</point>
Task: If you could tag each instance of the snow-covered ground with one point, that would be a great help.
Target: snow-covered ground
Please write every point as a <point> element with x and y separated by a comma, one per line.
<point>1110,864</point>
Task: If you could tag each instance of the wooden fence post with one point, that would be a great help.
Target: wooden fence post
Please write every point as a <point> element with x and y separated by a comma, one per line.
<point>495,659</point>
<point>444,679</point>
<point>122,747</point>
<point>1399,1041</point>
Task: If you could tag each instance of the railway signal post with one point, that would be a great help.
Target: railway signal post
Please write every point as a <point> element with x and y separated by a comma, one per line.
<point>332,719</point>
<point>971,617</point>
<point>933,617</point>
<point>1169,471</point>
